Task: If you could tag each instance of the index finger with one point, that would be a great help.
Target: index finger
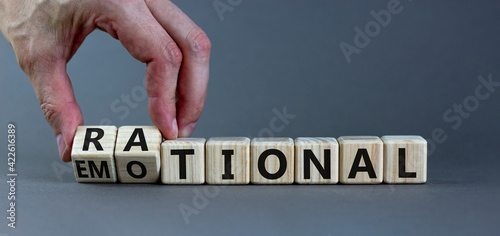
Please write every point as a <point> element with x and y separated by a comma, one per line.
<point>194,73</point>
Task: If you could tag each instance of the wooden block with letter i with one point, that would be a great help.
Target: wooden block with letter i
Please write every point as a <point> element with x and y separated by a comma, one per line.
<point>361,160</point>
<point>183,161</point>
<point>316,161</point>
<point>405,159</point>
<point>137,154</point>
<point>228,160</point>
<point>93,154</point>
<point>272,161</point>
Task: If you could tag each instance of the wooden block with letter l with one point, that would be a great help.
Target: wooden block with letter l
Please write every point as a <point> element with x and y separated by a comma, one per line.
<point>272,161</point>
<point>361,160</point>
<point>405,159</point>
<point>93,154</point>
<point>316,161</point>
<point>228,160</point>
<point>137,154</point>
<point>183,161</point>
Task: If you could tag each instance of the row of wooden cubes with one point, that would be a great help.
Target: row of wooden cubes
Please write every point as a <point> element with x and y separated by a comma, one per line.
<point>138,154</point>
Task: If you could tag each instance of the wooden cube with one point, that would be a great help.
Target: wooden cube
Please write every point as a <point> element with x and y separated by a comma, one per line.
<point>183,161</point>
<point>228,160</point>
<point>405,159</point>
<point>93,154</point>
<point>361,160</point>
<point>272,161</point>
<point>316,161</point>
<point>137,154</point>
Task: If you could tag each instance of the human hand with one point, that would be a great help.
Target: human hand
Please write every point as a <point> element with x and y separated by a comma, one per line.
<point>45,34</point>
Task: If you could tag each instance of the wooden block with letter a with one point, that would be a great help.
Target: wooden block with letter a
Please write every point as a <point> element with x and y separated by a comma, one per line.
<point>361,160</point>
<point>316,161</point>
<point>93,154</point>
<point>228,160</point>
<point>183,161</point>
<point>405,159</point>
<point>137,154</point>
<point>272,161</point>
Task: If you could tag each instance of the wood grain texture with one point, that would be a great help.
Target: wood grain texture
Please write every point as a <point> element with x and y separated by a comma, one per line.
<point>412,168</point>
<point>264,150</point>
<point>353,146</point>
<point>171,171</point>
<point>94,164</point>
<point>304,147</point>
<point>218,169</point>
<point>138,163</point>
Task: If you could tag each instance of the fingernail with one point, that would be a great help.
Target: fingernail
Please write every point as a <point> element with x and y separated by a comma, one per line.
<point>61,145</point>
<point>174,126</point>
<point>188,130</point>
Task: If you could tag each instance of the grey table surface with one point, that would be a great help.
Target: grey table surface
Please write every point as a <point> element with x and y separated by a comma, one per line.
<point>268,56</point>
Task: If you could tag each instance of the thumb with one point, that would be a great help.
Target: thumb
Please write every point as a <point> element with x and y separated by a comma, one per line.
<point>57,100</point>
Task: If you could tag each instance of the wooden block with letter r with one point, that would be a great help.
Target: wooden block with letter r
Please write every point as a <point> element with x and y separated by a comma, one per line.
<point>93,154</point>
<point>316,161</point>
<point>405,159</point>
<point>228,160</point>
<point>272,161</point>
<point>361,160</point>
<point>137,154</point>
<point>183,161</point>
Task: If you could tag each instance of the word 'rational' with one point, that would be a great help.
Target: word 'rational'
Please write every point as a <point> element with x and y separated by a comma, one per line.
<point>136,154</point>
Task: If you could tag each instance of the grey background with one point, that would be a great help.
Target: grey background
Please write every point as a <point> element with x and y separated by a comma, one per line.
<point>267,55</point>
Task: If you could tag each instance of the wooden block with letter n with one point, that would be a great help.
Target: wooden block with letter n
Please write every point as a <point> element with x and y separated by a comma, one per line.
<point>228,160</point>
<point>272,161</point>
<point>361,160</point>
<point>316,161</point>
<point>93,154</point>
<point>137,154</point>
<point>183,161</point>
<point>405,159</point>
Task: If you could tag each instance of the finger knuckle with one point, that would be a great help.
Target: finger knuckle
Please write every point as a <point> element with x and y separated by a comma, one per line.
<point>199,43</point>
<point>173,54</point>
<point>50,111</point>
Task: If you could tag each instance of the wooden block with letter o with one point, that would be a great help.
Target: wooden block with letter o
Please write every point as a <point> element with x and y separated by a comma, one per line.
<point>272,161</point>
<point>137,154</point>
<point>93,154</point>
<point>316,161</point>
<point>228,160</point>
<point>361,160</point>
<point>405,159</point>
<point>183,161</point>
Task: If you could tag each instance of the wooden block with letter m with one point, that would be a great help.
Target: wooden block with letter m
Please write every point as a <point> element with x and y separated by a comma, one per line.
<point>93,154</point>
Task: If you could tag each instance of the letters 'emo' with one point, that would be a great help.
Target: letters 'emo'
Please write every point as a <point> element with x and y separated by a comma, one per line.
<point>136,154</point>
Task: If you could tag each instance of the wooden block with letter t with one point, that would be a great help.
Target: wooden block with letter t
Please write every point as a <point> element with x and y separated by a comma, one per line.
<point>361,160</point>
<point>272,161</point>
<point>183,161</point>
<point>316,161</point>
<point>137,154</point>
<point>228,160</point>
<point>93,154</point>
<point>405,159</point>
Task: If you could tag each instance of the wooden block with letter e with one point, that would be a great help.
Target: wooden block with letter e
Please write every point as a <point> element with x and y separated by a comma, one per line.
<point>228,160</point>
<point>405,159</point>
<point>137,154</point>
<point>316,161</point>
<point>272,161</point>
<point>361,160</point>
<point>183,161</point>
<point>93,154</point>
